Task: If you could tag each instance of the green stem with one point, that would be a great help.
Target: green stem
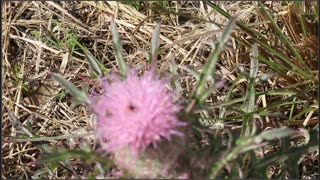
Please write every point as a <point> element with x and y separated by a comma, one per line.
<point>52,138</point>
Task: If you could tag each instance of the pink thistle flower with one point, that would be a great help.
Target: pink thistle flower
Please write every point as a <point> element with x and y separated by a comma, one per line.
<point>136,112</point>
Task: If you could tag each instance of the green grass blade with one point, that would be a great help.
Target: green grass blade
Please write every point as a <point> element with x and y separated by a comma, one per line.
<point>251,91</point>
<point>249,143</point>
<point>227,99</point>
<point>276,67</point>
<point>303,27</point>
<point>38,139</point>
<point>209,91</point>
<point>249,102</point>
<point>191,71</point>
<point>210,66</point>
<point>79,95</point>
<point>277,133</point>
<point>291,152</point>
<point>253,34</point>
<point>94,65</point>
<point>239,23</point>
<point>283,37</point>
<point>155,43</point>
<point>117,46</point>
<point>17,125</point>
<point>284,102</point>
<point>97,67</point>
<point>305,111</point>
<point>295,68</point>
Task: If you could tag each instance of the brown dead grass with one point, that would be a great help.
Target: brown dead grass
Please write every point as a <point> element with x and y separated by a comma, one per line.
<point>28,54</point>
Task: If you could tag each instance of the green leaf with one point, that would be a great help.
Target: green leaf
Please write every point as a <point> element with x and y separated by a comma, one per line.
<point>254,61</point>
<point>250,99</point>
<point>246,144</point>
<point>191,71</point>
<point>251,93</point>
<point>56,157</point>
<point>266,76</point>
<point>271,114</point>
<point>63,155</point>
<point>210,67</point>
<point>227,99</point>
<point>41,173</point>
<point>306,135</point>
<point>97,67</point>
<point>76,93</point>
<point>292,152</point>
<point>48,138</point>
<point>117,46</point>
<point>284,38</point>
<point>155,43</point>
<point>94,65</point>
<point>210,90</point>
<point>17,125</point>
<point>277,133</point>
<point>256,36</point>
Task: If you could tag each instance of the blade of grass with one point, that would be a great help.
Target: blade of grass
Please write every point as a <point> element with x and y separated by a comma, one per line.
<point>253,34</point>
<point>79,95</point>
<point>254,112</point>
<point>246,29</point>
<point>272,92</point>
<point>284,102</point>
<point>210,66</point>
<point>155,43</point>
<point>276,67</point>
<point>191,71</point>
<point>292,108</point>
<point>251,94</point>
<point>97,67</point>
<point>249,102</point>
<point>294,151</point>
<point>305,111</point>
<point>284,39</point>
<point>227,99</point>
<point>247,144</point>
<point>94,65</point>
<point>209,91</point>
<point>117,46</point>
<point>37,139</point>
<point>303,27</point>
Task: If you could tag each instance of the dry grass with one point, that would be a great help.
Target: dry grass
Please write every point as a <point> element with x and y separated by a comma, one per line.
<point>35,40</point>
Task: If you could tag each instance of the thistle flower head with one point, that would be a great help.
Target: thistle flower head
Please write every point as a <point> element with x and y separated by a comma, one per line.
<point>136,112</point>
